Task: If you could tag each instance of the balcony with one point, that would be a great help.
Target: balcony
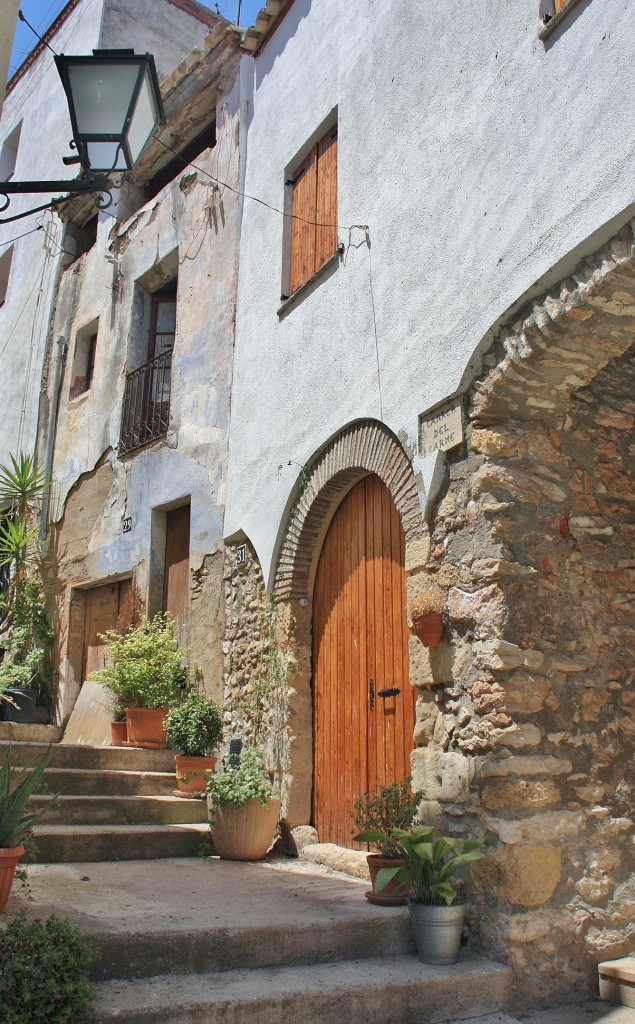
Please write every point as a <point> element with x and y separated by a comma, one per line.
<point>146,403</point>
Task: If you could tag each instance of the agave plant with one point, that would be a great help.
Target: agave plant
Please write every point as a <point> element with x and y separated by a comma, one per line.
<point>17,786</point>
<point>429,862</point>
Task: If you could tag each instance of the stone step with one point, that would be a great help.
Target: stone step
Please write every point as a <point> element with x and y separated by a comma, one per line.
<point>221,947</point>
<point>122,810</point>
<point>56,844</point>
<point>19,732</point>
<point>85,782</point>
<point>384,991</point>
<point>95,758</point>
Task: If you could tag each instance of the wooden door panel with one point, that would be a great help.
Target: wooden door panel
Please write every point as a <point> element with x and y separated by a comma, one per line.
<point>176,585</point>
<point>359,634</point>
<point>103,605</point>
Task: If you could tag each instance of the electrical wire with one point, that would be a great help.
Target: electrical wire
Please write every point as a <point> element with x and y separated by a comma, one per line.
<point>42,40</point>
<point>254,199</point>
<point>9,241</point>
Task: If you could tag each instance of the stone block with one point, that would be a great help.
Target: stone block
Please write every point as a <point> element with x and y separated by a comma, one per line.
<point>526,693</point>
<point>530,874</point>
<point>548,827</point>
<point>528,927</point>
<point>521,795</point>
<point>488,442</point>
<point>519,737</point>
<point>617,981</point>
<point>527,765</point>
<point>417,554</point>
<point>501,656</point>
<point>441,775</point>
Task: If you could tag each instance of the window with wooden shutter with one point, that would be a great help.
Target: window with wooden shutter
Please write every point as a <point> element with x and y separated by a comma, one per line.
<point>314,223</point>
<point>552,13</point>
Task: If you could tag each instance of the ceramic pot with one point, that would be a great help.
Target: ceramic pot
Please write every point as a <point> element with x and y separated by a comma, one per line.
<point>118,733</point>
<point>24,697</point>
<point>437,931</point>
<point>395,894</point>
<point>190,774</point>
<point>145,727</point>
<point>9,857</point>
<point>244,833</point>
<point>429,629</point>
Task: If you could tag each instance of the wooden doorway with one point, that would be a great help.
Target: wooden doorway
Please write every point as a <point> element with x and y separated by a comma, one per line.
<point>176,579</point>
<point>362,736</point>
<point>103,605</point>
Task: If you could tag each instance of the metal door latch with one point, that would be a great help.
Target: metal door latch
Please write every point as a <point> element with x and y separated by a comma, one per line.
<point>371,695</point>
<point>391,692</point>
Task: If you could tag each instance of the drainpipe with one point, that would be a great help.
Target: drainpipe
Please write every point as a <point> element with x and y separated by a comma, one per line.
<point>51,430</point>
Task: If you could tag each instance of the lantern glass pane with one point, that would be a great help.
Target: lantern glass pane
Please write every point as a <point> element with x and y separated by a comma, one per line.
<point>102,95</point>
<point>144,118</point>
<point>106,156</point>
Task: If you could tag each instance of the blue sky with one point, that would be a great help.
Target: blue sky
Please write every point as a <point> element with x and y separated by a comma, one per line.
<point>40,13</point>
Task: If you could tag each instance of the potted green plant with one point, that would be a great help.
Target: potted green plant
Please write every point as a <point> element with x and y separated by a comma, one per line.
<point>194,728</point>
<point>244,810</point>
<point>437,915</point>
<point>426,609</point>
<point>118,726</point>
<point>383,809</point>
<point>44,968</point>
<point>16,788</point>
<point>146,676</point>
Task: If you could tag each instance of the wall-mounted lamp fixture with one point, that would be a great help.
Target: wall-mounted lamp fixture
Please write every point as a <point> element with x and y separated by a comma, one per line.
<point>115,105</point>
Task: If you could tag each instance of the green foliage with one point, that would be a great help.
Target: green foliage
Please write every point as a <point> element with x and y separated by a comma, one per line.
<point>430,862</point>
<point>44,970</point>
<point>249,781</point>
<point>29,635</point>
<point>147,669</point>
<point>195,726</point>
<point>16,788</point>
<point>25,633</point>
<point>386,808</point>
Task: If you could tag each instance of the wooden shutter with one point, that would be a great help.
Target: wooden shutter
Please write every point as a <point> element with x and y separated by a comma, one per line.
<point>560,5</point>
<point>314,203</point>
<point>326,204</point>
<point>303,231</point>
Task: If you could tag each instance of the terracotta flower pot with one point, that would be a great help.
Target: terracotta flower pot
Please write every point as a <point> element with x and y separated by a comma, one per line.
<point>190,774</point>
<point>118,733</point>
<point>395,894</point>
<point>9,857</point>
<point>244,833</point>
<point>145,727</point>
<point>429,629</point>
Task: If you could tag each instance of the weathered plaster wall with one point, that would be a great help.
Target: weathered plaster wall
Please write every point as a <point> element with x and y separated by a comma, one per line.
<point>487,159</point>
<point>38,101</point>
<point>191,229</point>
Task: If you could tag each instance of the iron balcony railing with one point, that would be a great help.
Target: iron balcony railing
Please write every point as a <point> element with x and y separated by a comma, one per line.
<point>146,403</point>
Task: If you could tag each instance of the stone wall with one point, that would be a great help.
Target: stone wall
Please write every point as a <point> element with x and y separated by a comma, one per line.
<point>526,716</point>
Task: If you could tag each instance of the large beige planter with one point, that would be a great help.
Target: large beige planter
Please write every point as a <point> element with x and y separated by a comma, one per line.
<point>244,833</point>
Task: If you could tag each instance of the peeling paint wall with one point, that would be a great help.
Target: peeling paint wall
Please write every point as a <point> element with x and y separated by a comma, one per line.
<point>188,231</point>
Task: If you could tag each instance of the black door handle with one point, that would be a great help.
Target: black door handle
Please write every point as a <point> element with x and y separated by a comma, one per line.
<point>391,692</point>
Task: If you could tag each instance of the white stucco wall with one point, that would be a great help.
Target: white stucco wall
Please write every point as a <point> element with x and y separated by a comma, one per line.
<point>38,101</point>
<point>479,157</point>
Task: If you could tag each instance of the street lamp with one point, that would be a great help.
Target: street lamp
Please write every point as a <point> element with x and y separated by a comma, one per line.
<point>115,105</point>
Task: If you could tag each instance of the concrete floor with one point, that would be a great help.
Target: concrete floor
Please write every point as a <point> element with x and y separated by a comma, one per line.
<point>171,897</point>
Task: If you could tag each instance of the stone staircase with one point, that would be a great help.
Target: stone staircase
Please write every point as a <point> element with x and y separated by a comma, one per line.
<point>114,803</point>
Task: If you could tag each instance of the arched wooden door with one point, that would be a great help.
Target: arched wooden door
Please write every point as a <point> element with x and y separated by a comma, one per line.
<point>360,650</point>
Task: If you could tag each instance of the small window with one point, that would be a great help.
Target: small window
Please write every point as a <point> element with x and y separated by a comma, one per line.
<point>552,13</point>
<point>314,208</point>
<point>9,154</point>
<point>163,321</point>
<point>84,360</point>
<point>5,269</point>
<point>80,238</point>
<point>178,166</point>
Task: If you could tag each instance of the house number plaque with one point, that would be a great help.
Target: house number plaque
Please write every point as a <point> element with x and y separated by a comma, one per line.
<point>241,556</point>
<point>127,524</point>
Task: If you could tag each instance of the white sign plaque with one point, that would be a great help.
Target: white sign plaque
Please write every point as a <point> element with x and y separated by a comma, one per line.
<point>442,430</point>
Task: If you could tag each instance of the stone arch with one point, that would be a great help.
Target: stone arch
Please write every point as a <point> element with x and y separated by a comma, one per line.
<point>363,447</point>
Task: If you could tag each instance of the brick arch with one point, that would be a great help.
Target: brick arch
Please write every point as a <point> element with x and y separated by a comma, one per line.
<point>361,448</point>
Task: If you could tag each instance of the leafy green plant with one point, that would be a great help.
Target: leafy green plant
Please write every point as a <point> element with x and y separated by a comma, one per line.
<point>386,808</point>
<point>17,785</point>
<point>248,781</point>
<point>44,969</point>
<point>147,668</point>
<point>25,634</point>
<point>429,862</point>
<point>195,726</point>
